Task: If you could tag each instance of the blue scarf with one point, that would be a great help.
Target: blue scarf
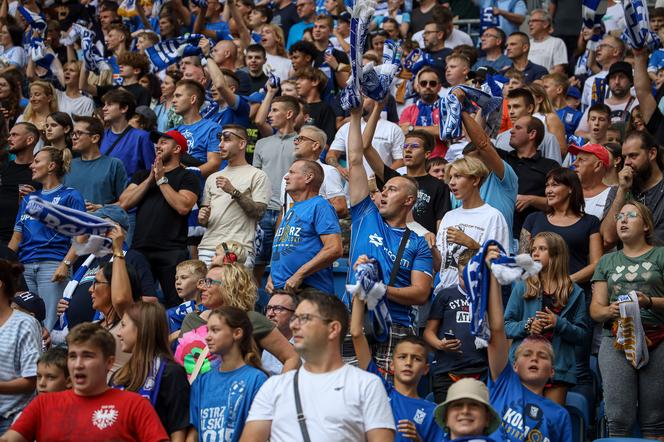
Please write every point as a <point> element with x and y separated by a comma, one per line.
<point>598,92</point>
<point>150,388</point>
<point>94,61</point>
<point>359,29</point>
<point>416,60</point>
<point>376,80</point>
<point>476,278</point>
<point>65,220</point>
<point>637,33</point>
<point>33,19</point>
<point>450,117</point>
<point>169,52</point>
<point>370,287</point>
<point>425,113</point>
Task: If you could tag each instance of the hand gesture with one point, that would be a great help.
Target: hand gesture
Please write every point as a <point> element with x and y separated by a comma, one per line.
<point>537,327</point>
<point>459,93</point>
<point>626,178</point>
<point>522,202</point>
<point>408,430</point>
<point>118,238</point>
<point>225,184</point>
<point>548,318</point>
<point>362,259</point>
<point>430,238</point>
<point>493,252</point>
<point>293,283</point>
<point>458,237</point>
<point>158,168</point>
<point>269,285</point>
<point>92,207</point>
<point>25,189</point>
<point>62,307</point>
<point>614,310</point>
<point>450,345</point>
<point>331,61</point>
<point>204,215</point>
<point>204,44</point>
<point>60,273</point>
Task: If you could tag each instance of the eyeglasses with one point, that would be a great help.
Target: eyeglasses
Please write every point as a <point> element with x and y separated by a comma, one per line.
<point>627,215</point>
<point>226,136</point>
<point>209,282</point>
<point>301,138</point>
<point>537,20</point>
<point>95,282</point>
<point>306,318</point>
<point>491,35</point>
<point>277,309</point>
<point>411,146</point>
<point>78,133</point>
<point>430,83</point>
<point>604,45</point>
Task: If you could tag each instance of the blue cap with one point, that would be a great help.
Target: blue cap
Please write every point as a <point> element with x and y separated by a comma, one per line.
<point>573,92</point>
<point>115,213</point>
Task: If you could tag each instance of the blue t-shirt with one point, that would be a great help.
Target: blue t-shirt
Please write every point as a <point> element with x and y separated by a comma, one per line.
<point>498,64</point>
<point>232,115</point>
<point>100,181</point>
<point>372,236</point>
<point>298,240</point>
<point>202,137</point>
<point>296,32</point>
<point>570,118</point>
<point>514,6</point>
<point>40,242</point>
<point>524,412</point>
<point>220,401</point>
<point>418,411</point>
<point>499,194</point>
<point>135,150</point>
<point>656,61</point>
<point>177,314</point>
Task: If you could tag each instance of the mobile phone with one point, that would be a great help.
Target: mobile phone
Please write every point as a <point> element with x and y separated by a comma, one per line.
<point>449,335</point>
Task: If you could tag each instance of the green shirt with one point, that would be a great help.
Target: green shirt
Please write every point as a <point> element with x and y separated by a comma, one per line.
<point>643,273</point>
<point>262,325</point>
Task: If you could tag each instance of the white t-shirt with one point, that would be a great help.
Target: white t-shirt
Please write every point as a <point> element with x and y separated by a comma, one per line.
<point>481,224</point>
<point>342,405</point>
<point>83,106</point>
<point>332,186</point>
<point>455,39</point>
<point>549,52</point>
<point>281,65</point>
<point>596,205</point>
<point>388,142</point>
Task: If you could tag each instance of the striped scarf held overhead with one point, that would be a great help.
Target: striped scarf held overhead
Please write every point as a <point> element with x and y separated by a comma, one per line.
<point>169,52</point>
<point>33,19</point>
<point>450,109</point>
<point>376,81</point>
<point>361,14</point>
<point>637,33</point>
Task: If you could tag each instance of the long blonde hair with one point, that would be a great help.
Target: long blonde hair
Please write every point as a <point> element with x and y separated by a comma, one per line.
<point>556,272</point>
<point>542,102</point>
<point>48,90</point>
<point>278,39</point>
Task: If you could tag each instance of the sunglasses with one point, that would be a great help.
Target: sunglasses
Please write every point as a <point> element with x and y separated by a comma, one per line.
<point>430,83</point>
<point>226,136</point>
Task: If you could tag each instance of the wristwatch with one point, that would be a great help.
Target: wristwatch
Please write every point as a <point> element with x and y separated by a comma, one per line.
<point>66,262</point>
<point>411,128</point>
<point>162,180</point>
<point>236,194</point>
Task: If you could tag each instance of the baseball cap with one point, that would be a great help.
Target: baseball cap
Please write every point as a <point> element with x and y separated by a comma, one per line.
<point>621,66</point>
<point>596,149</point>
<point>149,116</point>
<point>31,303</point>
<point>115,213</point>
<point>173,135</point>
<point>573,92</point>
<point>467,388</point>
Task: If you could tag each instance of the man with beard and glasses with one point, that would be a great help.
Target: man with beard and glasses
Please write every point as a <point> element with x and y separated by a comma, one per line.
<point>422,115</point>
<point>13,174</point>
<point>642,178</point>
<point>163,197</point>
<point>620,80</point>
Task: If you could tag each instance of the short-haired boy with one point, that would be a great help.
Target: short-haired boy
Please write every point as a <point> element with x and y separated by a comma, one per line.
<point>187,275</point>
<point>52,371</point>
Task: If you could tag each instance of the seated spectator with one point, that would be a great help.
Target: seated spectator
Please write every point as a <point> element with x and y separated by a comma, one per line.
<point>91,351</point>
<point>308,239</point>
<point>187,275</point>
<point>151,370</point>
<point>319,325</point>
<point>20,348</point>
<point>238,290</point>
<point>518,47</point>
<point>549,305</point>
<point>52,371</point>
<point>279,310</point>
<point>466,411</point>
<point>629,382</point>
<point>413,416</point>
<point>517,388</point>
<point>448,333</point>
<point>229,390</point>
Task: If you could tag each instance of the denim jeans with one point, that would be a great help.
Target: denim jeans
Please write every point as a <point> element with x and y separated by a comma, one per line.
<point>268,225</point>
<point>38,278</point>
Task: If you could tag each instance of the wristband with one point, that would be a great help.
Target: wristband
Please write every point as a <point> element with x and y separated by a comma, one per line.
<point>649,303</point>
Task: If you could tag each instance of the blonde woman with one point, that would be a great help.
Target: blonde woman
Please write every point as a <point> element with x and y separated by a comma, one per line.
<point>43,101</point>
<point>552,306</point>
<point>544,111</point>
<point>470,225</point>
<point>272,39</point>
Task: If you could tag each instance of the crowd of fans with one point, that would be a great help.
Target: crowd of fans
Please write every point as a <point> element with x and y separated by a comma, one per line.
<point>213,138</point>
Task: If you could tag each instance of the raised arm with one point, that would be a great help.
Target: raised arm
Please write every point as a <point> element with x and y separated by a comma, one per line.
<point>240,24</point>
<point>357,176</point>
<point>642,84</point>
<point>370,153</point>
<point>264,110</point>
<point>219,82</point>
<point>498,351</point>
<point>121,296</point>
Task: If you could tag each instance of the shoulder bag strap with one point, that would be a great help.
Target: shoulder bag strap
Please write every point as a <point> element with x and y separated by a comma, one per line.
<point>117,140</point>
<point>397,262</point>
<point>298,406</point>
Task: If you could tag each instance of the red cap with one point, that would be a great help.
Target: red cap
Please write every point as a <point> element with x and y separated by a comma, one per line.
<point>596,149</point>
<point>173,135</point>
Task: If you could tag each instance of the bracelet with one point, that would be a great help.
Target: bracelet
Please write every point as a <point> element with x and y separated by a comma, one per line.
<point>119,255</point>
<point>650,303</point>
<point>236,194</point>
<point>528,325</point>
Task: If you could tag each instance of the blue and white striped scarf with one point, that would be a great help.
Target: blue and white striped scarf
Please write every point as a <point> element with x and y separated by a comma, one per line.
<point>127,9</point>
<point>377,80</point>
<point>65,220</point>
<point>169,52</point>
<point>450,109</point>
<point>370,288</point>
<point>416,60</point>
<point>92,57</point>
<point>361,14</point>
<point>33,19</point>
<point>637,33</point>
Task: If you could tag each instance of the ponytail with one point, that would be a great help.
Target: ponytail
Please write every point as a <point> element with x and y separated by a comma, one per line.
<point>238,318</point>
<point>61,158</point>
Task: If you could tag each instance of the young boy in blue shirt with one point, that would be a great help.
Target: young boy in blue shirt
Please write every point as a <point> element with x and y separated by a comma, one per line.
<point>414,417</point>
<point>517,392</point>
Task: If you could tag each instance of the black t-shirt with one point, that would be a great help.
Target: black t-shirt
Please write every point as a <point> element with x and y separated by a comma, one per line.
<point>256,83</point>
<point>576,236</point>
<point>420,19</point>
<point>11,176</point>
<point>80,307</point>
<point>532,180</point>
<point>322,116</point>
<point>439,62</point>
<point>172,405</point>
<point>433,199</point>
<point>245,83</point>
<point>141,94</point>
<point>452,309</point>
<point>285,18</point>
<point>654,199</point>
<point>332,86</point>
<point>158,225</point>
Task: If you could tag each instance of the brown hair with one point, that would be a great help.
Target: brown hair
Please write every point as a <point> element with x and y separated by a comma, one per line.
<point>10,272</point>
<point>95,334</point>
<point>194,88</point>
<point>136,60</point>
<point>237,318</point>
<point>556,272</point>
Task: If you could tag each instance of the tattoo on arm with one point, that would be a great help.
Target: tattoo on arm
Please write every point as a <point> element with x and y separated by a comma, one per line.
<point>524,241</point>
<point>332,161</point>
<point>250,207</point>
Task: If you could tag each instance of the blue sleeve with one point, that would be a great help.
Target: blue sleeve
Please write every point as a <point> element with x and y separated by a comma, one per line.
<point>193,405</point>
<point>75,200</point>
<point>18,225</point>
<point>147,153</point>
<point>241,107</point>
<point>326,221</point>
<point>213,138</point>
<point>576,329</point>
<point>423,260</point>
<point>520,8</point>
<point>566,426</point>
<point>362,209</point>
<point>405,17</point>
<point>120,178</point>
<point>510,181</point>
<point>373,368</point>
<point>514,313</point>
<point>503,387</point>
